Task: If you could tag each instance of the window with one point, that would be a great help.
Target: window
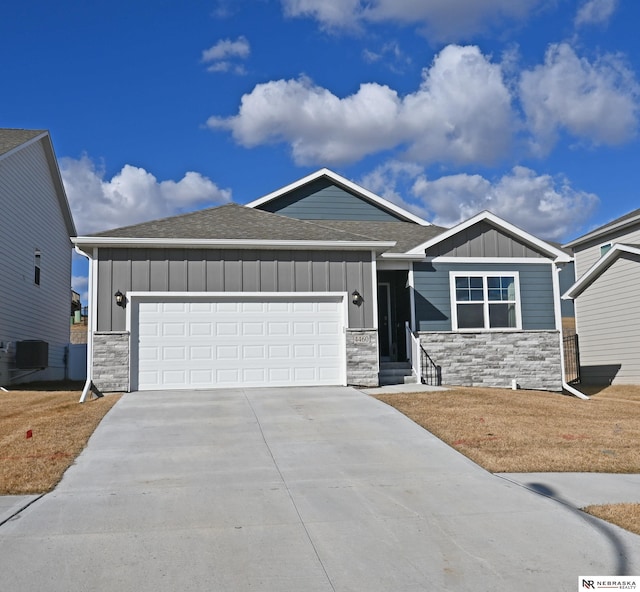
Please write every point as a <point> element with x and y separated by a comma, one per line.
<point>36,276</point>
<point>485,300</point>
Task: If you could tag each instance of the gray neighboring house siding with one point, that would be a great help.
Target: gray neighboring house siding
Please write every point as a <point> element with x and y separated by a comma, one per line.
<point>607,305</point>
<point>35,216</point>
<point>588,253</point>
<point>321,200</point>
<point>608,314</point>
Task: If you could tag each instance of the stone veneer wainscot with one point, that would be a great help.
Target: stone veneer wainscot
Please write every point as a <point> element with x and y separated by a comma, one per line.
<point>496,358</point>
<point>362,357</point>
<point>111,361</point>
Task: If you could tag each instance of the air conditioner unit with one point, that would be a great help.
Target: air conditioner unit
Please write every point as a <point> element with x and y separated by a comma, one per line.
<point>32,354</point>
<point>4,368</point>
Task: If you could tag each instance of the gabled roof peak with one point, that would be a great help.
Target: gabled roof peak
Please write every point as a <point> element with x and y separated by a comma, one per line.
<point>397,211</point>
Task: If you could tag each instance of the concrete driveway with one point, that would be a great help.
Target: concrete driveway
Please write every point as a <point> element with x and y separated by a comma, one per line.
<point>301,490</point>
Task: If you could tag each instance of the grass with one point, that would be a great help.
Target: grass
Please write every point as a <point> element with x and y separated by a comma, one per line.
<point>58,426</point>
<point>508,431</point>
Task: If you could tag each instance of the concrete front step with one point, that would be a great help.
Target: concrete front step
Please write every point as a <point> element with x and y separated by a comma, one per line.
<point>396,373</point>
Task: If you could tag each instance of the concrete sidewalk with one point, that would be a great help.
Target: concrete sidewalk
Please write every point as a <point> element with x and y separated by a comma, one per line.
<point>317,489</point>
<point>581,489</point>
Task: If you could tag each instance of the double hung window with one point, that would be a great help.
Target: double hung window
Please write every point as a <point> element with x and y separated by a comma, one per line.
<point>485,300</point>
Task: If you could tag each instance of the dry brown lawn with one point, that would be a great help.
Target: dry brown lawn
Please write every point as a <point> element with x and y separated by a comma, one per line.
<point>59,428</point>
<point>623,515</point>
<point>508,431</point>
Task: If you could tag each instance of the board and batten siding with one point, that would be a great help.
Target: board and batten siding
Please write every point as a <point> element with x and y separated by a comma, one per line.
<point>31,219</point>
<point>608,314</point>
<point>322,200</point>
<point>482,240</point>
<point>221,270</point>
<point>587,255</point>
<point>433,297</point>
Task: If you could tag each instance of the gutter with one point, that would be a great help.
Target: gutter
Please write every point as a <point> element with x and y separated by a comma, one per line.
<point>558,312</point>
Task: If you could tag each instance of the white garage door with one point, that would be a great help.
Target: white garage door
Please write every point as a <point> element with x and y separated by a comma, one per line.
<point>215,342</point>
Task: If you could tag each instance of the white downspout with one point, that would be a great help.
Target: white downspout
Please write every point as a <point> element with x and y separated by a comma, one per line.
<point>558,313</point>
<point>90,322</point>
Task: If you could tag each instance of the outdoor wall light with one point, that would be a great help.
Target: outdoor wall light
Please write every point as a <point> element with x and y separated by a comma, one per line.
<point>356,298</point>
<point>119,296</point>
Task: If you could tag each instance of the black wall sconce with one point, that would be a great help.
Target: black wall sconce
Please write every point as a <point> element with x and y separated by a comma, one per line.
<point>356,298</point>
<point>120,299</point>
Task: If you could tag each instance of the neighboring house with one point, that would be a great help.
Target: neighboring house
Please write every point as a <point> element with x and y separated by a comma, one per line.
<point>316,283</point>
<point>35,266</point>
<point>606,298</point>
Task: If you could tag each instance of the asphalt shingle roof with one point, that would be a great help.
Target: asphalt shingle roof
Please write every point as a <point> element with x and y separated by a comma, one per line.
<point>233,222</point>
<point>12,138</point>
<point>406,234</point>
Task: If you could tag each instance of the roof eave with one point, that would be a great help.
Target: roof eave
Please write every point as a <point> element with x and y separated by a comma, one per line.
<point>598,268</point>
<point>602,231</point>
<point>122,242</point>
<point>403,256</point>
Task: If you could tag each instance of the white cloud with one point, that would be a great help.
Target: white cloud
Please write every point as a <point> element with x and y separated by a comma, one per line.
<point>221,55</point>
<point>443,20</point>
<point>460,113</point>
<point>596,101</point>
<point>341,14</point>
<point>594,12</point>
<point>391,54</point>
<point>131,196</point>
<point>546,206</point>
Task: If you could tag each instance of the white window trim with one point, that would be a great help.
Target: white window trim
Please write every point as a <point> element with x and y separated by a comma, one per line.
<point>484,274</point>
<point>608,246</point>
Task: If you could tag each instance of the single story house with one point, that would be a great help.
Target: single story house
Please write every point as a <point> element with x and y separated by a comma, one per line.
<point>606,300</point>
<point>321,283</point>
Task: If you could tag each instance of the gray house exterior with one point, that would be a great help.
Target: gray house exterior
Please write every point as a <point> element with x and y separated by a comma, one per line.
<point>35,260</point>
<point>321,282</point>
<point>606,299</point>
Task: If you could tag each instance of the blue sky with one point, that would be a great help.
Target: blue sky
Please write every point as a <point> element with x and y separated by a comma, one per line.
<point>447,107</point>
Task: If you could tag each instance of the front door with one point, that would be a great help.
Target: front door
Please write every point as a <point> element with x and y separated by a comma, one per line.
<point>384,321</point>
<point>394,310</point>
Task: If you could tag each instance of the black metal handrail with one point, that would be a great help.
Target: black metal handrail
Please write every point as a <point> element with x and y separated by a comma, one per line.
<point>430,371</point>
<point>571,359</point>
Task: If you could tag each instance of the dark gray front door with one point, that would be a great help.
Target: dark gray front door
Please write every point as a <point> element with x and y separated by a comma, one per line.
<point>384,321</point>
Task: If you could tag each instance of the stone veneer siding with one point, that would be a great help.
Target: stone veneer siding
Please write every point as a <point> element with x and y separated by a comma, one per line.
<point>495,358</point>
<point>111,361</point>
<point>362,357</point>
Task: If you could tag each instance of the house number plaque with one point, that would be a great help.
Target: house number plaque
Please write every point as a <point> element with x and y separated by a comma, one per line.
<point>362,338</point>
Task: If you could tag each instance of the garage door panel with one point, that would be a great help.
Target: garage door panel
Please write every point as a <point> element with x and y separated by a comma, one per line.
<point>200,343</point>
<point>174,329</point>
<point>254,375</point>
<point>197,329</point>
<point>201,377</point>
<point>226,329</point>
<point>254,352</point>
<point>173,353</point>
<point>282,352</point>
